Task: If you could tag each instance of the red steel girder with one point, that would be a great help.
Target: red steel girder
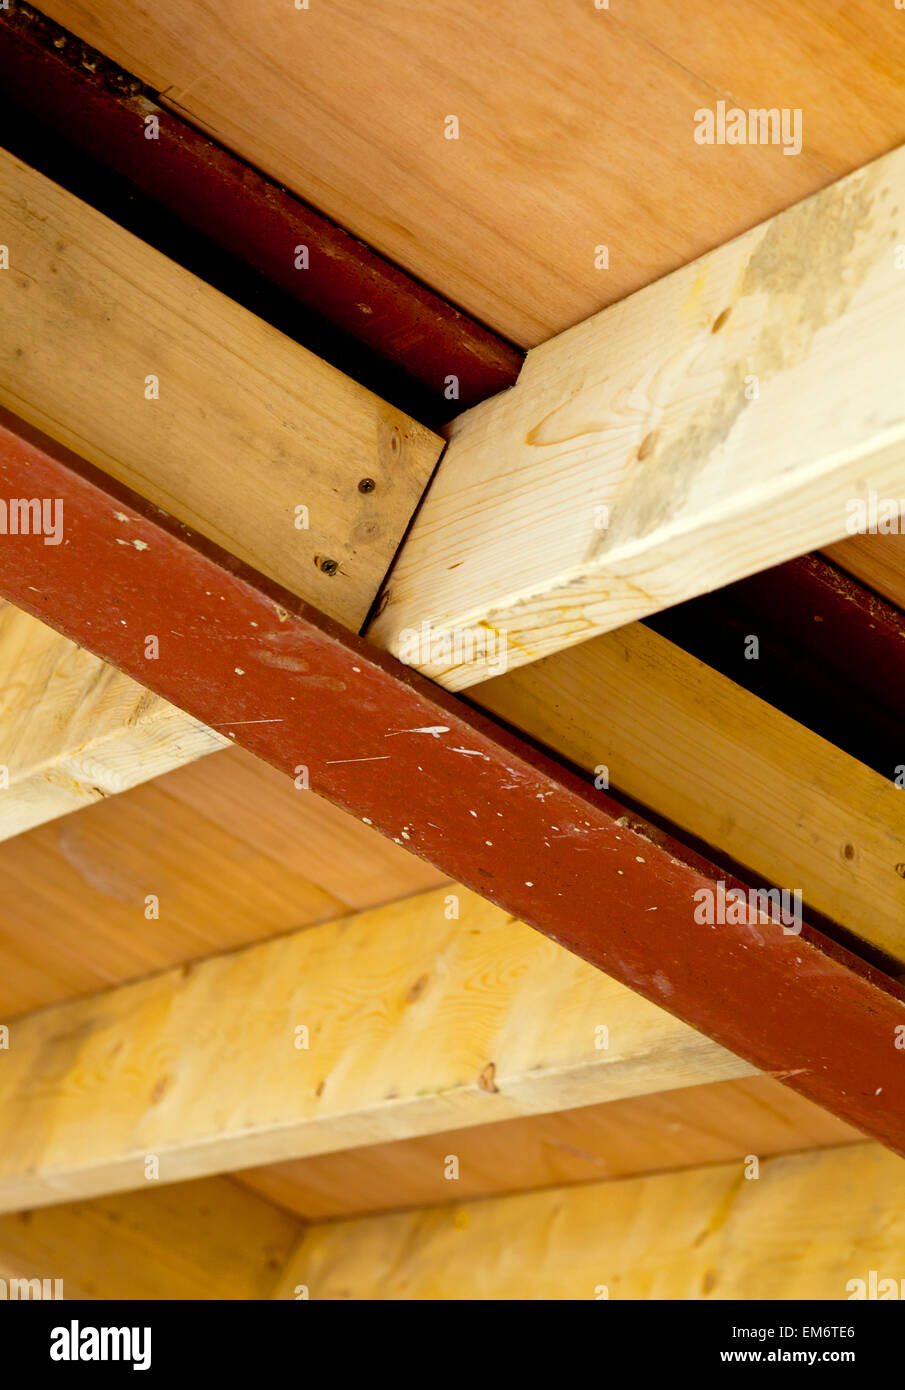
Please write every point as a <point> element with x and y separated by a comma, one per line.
<point>391,748</point>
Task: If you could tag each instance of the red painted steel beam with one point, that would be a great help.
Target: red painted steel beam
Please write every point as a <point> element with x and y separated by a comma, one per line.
<point>389,747</point>
<point>94,104</point>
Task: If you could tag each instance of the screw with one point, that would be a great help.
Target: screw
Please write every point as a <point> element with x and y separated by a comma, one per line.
<point>366,485</point>
<point>328,566</point>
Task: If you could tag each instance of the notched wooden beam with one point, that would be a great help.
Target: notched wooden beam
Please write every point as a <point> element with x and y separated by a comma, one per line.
<point>345,1041</point>
<point>207,411</point>
<point>711,425</point>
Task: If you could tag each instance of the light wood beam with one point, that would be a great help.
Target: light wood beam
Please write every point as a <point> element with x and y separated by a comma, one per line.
<point>876,559</point>
<point>416,1022</point>
<point>199,1240</point>
<point>805,1228</point>
<point>74,730</point>
<point>714,424</point>
<point>759,789</point>
<point>199,406</point>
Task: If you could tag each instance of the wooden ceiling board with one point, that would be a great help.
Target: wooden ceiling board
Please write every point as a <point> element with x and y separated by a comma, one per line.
<point>641,1134</point>
<point>576,124</point>
<point>234,856</point>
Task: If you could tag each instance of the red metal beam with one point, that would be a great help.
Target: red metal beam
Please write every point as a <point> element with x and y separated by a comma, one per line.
<point>92,103</point>
<point>389,747</point>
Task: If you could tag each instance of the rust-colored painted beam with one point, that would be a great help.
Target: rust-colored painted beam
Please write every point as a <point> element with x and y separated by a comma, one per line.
<point>91,103</point>
<point>374,738</point>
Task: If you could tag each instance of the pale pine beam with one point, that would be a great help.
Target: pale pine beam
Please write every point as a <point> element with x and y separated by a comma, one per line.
<point>771,1229</point>
<point>711,425</point>
<point>403,1020</point>
<point>681,1128</point>
<point>197,1240</point>
<point>198,405</point>
<point>760,790</point>
<point>74,730</point>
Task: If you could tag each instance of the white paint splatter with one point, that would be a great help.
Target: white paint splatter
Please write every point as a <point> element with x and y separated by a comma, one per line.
<point>435,730</point>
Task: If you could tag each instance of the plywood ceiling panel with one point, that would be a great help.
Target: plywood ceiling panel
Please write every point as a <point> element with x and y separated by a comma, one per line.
<point>576,124</point>
<point>234,856</point>
<point>642,1134</point>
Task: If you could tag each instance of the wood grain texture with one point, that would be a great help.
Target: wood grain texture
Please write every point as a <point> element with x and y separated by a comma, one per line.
<point>73,916</point>
<point>877,560</point>
<point>416,1022</point>
<point>760,790</point>
<point>74,730</point>
<point>710,426</point>
<point>576,125</point>
<point>199,1240</point>
<point>381,327</point>
<point>804,1228</point>
<point>673,1129</point>
<point>248,425</point>
<point>347,859</point>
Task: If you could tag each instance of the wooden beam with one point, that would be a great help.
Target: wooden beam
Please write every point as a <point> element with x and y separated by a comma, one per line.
<point>63,87</point>
<point>806,1227</point>
<point>200,1240</point>
<point>762,792</point>
<point>306,835</point>
<point>655,1132</point>
<point>711,425</point>
<point>200,1066</point>
<point>877,560</point>
<point>171,388</point>
<point>472,799</point>
<point>815,630</point>
<point>69,99</point>
<point>74,730</point>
